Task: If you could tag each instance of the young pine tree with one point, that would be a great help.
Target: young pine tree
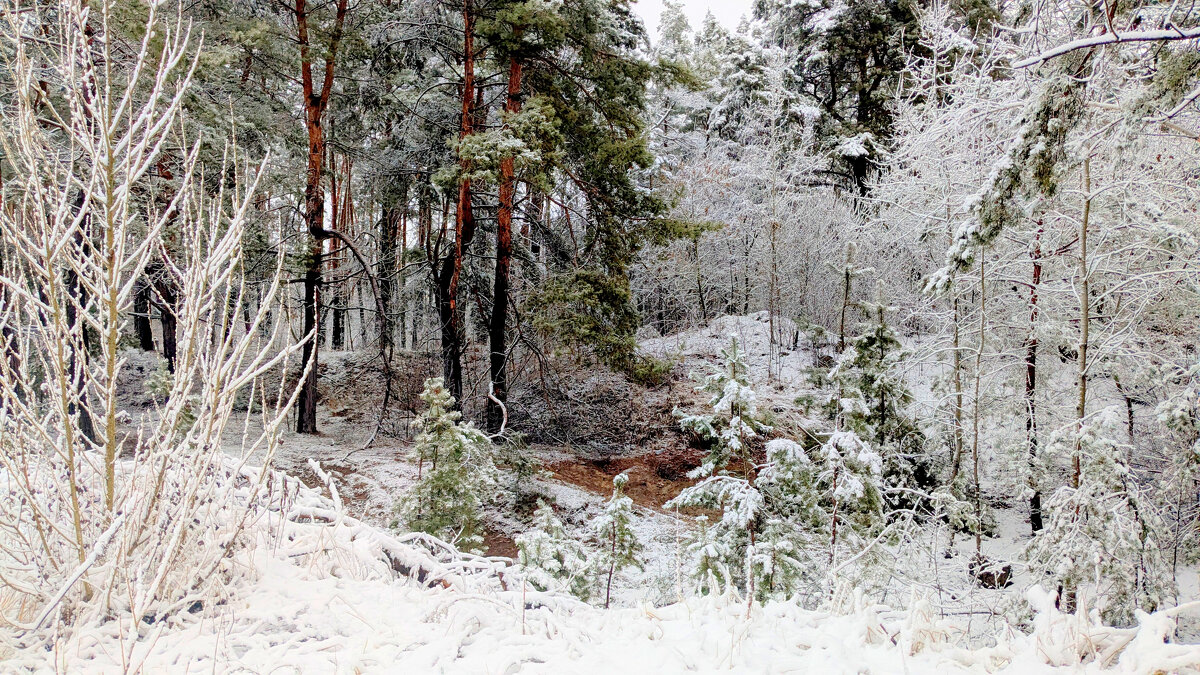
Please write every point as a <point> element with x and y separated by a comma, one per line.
<point>850,473</point>
<point>457,473</point>
<point>768,510</point>
<point>1180,415</point>
<point>794,522</point>
<point>619,545</point>
<point>871,403</point>
<point>734,419</point>
<point>1102,535</point>
<point>551,558</point>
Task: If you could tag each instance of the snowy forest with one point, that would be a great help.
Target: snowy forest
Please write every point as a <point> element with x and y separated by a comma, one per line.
<point>369,336</point>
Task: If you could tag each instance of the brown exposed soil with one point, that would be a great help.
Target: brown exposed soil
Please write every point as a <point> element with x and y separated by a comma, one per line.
<point>352,493</point>
<point>499,544</point>
<point>654,478</point>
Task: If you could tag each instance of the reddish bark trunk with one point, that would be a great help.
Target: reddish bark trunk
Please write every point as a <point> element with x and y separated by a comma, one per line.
<point>497,329</point>
<point>315,105</point>
<point>449,313</point>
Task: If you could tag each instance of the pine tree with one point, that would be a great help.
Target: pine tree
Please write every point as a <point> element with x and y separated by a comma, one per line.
<point>847,56</point>
<point>872,402</point>
<point>797,518</point>
<point>768,510</point>
<point>734,419</point>
<point>850,472</point>
<point>1102,534</point>
<point>619,545</point>
<point>1180,415</point>
<point>726,548</point>
<point>448,497</point>
<point>551,558</point>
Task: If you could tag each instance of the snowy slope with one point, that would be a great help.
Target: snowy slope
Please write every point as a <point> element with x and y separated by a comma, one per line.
<point>316,591</point>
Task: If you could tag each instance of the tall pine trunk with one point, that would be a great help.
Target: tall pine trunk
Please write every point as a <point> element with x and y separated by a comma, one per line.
<point>141,317</point>
<point>315,104</point>
<point>77,363</point>
<point>497,337</point>
<point>1031,349</point>
<point>168,295</point>
<point>314,214</point>
<point>387,268</point>
<point>306,403</point>
<point>449,313</point>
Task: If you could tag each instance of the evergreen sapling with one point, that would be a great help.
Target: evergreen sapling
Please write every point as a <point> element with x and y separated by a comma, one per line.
<point>1103,534</point>
<point>551,558</point>
<point>619,545</point>
<point>449,495</point>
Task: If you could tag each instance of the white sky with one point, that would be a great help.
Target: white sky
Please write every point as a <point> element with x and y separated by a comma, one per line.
<point>728,12</point>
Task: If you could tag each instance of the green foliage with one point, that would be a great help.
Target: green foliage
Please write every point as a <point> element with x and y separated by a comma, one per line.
<point>650,371</point>
<point>521,467</point>
<point>772,514</point>
<point>872,400</point>
<point>1180,416</point>
<point>725,548</point>
<point>850,472</point>
<point>959,514</point>
<point>1028,170</point>
<point>1102,536</point>
<point>531,137</point>
<point>524,29</point>
<point>590,312</point>
<point>159,385</point>
<point>551,558</point>
<point>734,419</point>
<point>770,529</point>
<point>159,382</point>
<point>446,501</point>
<point>619,546</point>
<point>848,56</point>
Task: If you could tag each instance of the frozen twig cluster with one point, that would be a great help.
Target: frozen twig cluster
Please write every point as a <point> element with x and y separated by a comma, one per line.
<point>103,515</point>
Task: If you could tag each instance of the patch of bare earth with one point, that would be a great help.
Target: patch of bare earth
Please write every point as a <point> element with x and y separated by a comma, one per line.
<point>654,478</point>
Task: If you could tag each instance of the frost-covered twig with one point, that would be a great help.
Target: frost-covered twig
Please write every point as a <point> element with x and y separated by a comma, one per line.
<point>97,551</point>
<point>1166,35</point>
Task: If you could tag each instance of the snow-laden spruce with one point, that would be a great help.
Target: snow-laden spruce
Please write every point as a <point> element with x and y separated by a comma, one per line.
<point>779,517</point>
<point>619,547</point>
<point>1101,536</point>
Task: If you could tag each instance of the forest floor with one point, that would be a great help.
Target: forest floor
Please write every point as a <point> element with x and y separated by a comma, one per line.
<point>321,595</point>
<point>577,477</point>
<point>657,622</point>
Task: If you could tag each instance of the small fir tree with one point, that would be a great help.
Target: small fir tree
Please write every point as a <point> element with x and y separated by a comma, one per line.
<point>872,401</point>
<point>768,510</point>
<point>1180,416</point>
<point>457,473</point>
<point>850,474</point>
<point>727,546</point>
<point>551,558</point>
<point>619,545</point>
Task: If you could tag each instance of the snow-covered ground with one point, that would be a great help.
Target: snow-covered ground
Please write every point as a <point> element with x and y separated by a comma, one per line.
<point>317,591</point>
<point>325,587</point>
<point>779,368</point>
